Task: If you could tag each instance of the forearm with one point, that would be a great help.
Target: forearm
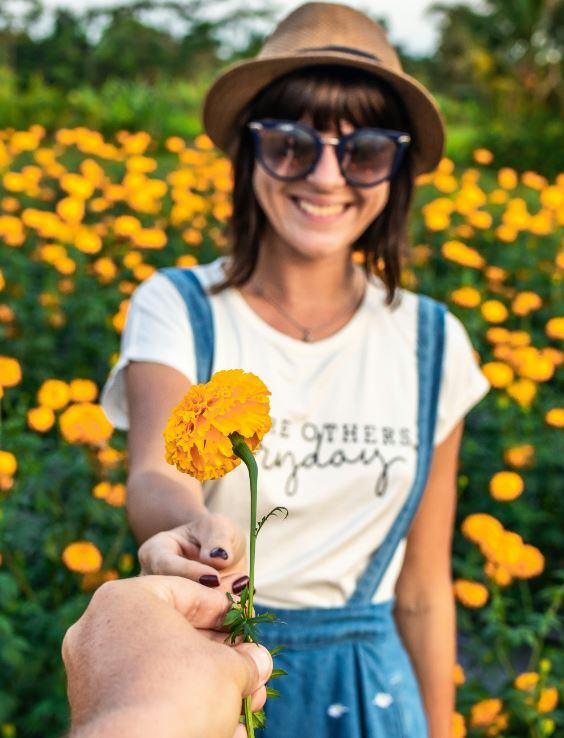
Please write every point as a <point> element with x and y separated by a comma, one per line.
<point>158,501</point>
<point>428,631</point>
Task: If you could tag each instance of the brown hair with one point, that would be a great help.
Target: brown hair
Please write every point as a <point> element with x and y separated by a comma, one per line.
<point>327,94</point>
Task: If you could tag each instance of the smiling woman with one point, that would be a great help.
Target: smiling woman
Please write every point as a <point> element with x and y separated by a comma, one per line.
<point>369,384</point>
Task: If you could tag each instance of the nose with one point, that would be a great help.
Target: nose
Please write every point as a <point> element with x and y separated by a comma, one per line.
<point>327,172</point>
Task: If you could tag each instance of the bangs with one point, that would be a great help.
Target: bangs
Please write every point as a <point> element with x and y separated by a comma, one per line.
<point>326,95</point>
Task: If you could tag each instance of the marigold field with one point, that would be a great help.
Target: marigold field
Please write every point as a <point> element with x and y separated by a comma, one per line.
<point>84,220</point>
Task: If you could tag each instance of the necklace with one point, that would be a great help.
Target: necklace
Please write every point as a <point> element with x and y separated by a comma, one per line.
<point>309,331</point>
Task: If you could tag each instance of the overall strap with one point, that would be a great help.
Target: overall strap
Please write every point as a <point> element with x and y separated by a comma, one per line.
<point>200,315</point>
<point>430,348</point>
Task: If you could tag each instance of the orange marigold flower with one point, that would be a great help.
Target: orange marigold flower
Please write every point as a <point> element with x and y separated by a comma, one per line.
<point>8,463</point>
<point>497,334</point>
<point>506,485</point>
<point>523,391</point>
<point>109,456</point>
<point>471,594</point>
<point>458,726</point>
<point>497,573</point>
<point>83,390</point>
<point>498,374</point>
<point>485,712</point>
<point>520,456</point>
<point>536,367</point>
<point>113,494</point>
<point>54,393</point>
<point>527,681</point>
<point>525,303</point>
<point>555,417</point>
<point>461,254</point>
<point>186,261</point>
<point>480,527</point>
<point>555,328</point>
<point>507,178</point>
<point>494,311</point>
<point>482,156</point>
<point>82,557</point>
<point>40,418</point>
<point>530,563</point>
<point>10,371</point>
<point>466,297</point>
<point>85,423</point>
<point>458,676</point>
<point>197,433</point>
<point>548,699</point>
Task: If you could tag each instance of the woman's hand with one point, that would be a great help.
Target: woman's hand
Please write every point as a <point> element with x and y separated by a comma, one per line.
<point>148,658</point>
<point>209,549</point>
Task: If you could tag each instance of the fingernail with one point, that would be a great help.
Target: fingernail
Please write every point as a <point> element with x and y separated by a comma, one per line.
<point>263,660</point>
<point>239,585</point>
<point>209,580</point>
<point>218,553</point>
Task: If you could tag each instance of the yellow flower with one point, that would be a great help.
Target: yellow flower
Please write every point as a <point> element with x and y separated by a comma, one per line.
<point>485,712</point>
<point>548,699</point>
<point>82,557</point>
<point>41,418</point>
<point>458,726</point>
<point>497,573</point>
<point>85,423</point>
<point>197,433</point>
<point>187,260</point>
<point>523,391</point>
<point>507,178</point>
<point>506,485</point>
<point>525,302</point>
<point>461,254</point>
<point>471,594</point>
<point>555,328</point>
<point>110,457</point>
<point>466,297</point>
<point>10,372</point>
<point>527,681</point>
<point>498,374</point>
<point>482,156</point>
<point>481,527</point>
<point>54,393</point>
<point>113,494</point>
<point>555,417</point>
<point>494,311</point>
<point>8,464</point>
<point>529,563</point>
<point>536,367</point>
<point>83,390</point>
<point>458,676</point>
<point>497,334</point>
<point>520,456</point>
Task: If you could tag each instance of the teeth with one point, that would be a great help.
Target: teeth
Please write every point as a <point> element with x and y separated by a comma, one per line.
<point>309,207</point>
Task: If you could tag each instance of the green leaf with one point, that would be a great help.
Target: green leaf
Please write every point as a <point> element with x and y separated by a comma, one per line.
<point>278,673</point>
<point>271,692</point>
<point>276,510</point>
<point>259,719</point>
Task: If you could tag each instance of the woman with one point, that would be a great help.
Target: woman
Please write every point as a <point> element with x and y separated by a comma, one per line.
<point>370,384</point>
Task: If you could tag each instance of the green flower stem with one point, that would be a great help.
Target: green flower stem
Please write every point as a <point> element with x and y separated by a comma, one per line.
<point>241,450</point>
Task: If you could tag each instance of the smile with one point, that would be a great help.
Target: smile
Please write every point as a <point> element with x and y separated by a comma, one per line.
<point>320,212</point>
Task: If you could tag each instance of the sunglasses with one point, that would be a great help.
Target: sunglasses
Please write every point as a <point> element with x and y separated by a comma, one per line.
<point>289,151</point>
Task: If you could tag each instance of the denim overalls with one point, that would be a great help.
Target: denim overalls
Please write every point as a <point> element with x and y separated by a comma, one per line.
<point>349,675</point>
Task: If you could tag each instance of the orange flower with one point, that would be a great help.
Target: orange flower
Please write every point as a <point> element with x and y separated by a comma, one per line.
<point>520,456</point>
<point>458,726</point>
<point>83,390</point>
<point>506,485</point>
<point>548,699</point>
<point>10,372</point>
<point>523,391</point>
<point>498,374</point>
<point>95,579</point>
<point>85,423</point>
<point>482,156</point>
<point>113,494</point>
<point>40,418</point>
<point>109,456</point>
<point>54,393</point>
<point>471,594</point>
<point>530,563</point>
<point>197,433</point>
<point>480,527</point>
<point>555,328</point>
<point>461,254</point>
<point>8,464</point>
<point>507,178</point>
<point>525,303</point>
<point>458,676</point>
<point>82,557</point>
<point>466,297</point>
<point>485,712</point>
<point>527,681</point>
<point>555,417</point>
<point>497,573</point>
<point>494,311</point>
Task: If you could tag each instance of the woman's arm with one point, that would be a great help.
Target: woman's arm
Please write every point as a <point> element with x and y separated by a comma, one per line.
<point>425,610</point>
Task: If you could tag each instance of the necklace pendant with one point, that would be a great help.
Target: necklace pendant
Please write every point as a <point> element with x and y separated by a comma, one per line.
<point>307,336</point>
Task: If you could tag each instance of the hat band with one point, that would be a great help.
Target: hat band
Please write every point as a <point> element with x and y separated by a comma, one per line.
<point>343,49</point>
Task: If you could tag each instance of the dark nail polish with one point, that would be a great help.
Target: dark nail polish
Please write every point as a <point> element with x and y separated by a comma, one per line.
<point>209,580</point>
<point>239,585</point>
<point>218,553</point>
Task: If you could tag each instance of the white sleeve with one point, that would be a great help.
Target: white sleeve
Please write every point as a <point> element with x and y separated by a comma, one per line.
<point>156,329</point>
<point>462,385</point>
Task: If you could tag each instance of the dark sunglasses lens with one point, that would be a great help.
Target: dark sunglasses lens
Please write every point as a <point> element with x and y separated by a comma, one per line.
<point>368,157</point>
<point>287,151</point>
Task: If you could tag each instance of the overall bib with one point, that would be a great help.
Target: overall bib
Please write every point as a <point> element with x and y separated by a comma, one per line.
<point>349,675</point>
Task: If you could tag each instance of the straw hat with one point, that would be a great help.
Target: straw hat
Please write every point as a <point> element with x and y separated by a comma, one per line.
<point>324,33</point>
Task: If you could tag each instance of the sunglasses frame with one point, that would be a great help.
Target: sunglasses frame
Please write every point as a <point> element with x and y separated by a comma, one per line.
<point>398,137</point>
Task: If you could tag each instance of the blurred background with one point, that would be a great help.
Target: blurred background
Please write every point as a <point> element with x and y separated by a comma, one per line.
<point>106,176</point>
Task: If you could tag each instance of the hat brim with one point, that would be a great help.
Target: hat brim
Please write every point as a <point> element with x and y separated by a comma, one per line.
<point>242,81</point>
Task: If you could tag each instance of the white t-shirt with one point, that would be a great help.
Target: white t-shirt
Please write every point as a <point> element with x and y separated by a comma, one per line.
<point>341,453</point>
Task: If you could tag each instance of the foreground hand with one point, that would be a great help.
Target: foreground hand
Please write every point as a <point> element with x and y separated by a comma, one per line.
<point>209,549</point>
<point>147,658</point>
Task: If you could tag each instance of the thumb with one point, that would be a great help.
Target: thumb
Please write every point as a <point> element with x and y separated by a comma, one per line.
<point>255,665</point>
<point>219,542</point>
